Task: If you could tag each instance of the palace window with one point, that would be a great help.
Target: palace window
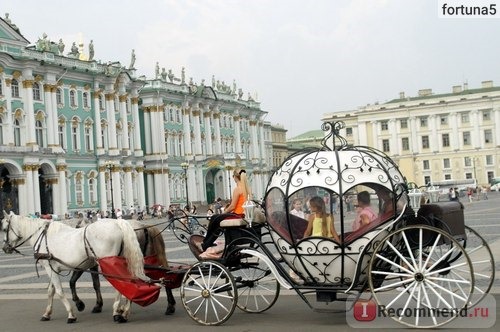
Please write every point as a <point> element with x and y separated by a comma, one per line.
<point>466,137</point>
<point>488,136</point>
<point>384,125</point>
<point>72,98</point>
<point>446,163</point>
<point>486,115</point>
<point>464,117</point>
<point>446,140</point>
<point>423,122</point>
<point>426,164</point>
<point>385,145</point>
<point>425,142</point>
<point>17,132</point>
<point>59,97</point>
<point>36,91</point>
<point>403,123</point>
<point>14,85</point>
<point>405,143</point>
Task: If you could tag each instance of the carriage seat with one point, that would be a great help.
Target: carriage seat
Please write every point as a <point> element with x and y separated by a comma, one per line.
<point>450,216</point>
<point>233,222</point>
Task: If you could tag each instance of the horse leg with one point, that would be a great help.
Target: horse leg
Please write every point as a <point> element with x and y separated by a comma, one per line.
<point>171,302</point>
<point>97,288</point>
<point>50,298</point>
<point>57,286</point>
<point>72,285</point>
<point>118,309</point>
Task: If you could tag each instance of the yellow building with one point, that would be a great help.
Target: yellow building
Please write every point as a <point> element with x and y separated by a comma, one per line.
<point>433,137</point>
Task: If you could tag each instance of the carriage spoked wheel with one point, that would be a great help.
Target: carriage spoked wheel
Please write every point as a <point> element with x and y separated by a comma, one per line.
<point>208,293</point>
<point>257,286</point>
<point>483,262</point>
<point>415,279</point>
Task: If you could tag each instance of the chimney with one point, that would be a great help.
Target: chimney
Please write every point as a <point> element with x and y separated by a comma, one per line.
<point>424,92</point>
<point>486,84</point>
<point>402,95</point>
<point>457,88</point>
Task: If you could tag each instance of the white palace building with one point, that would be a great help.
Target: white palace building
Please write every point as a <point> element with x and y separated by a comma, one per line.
<point>79,134</point>
<point>451,138</point>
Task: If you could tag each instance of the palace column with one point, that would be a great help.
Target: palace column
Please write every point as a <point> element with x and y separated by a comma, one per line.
<point>197,131</point>
<point>253,140</point>
<point>454,139</point>
<point>362,137</point>
<point>51,112</point>
<point>27,93</point>
<point>208,130</point>
<point>110,112</point>
<point>103,204</point>
<point>19,181</point>
<point>36,188</point>
<point>262,142</point>
<point>97,124</point>
<point>123,115</point>
<point>30,192</point>
<point>52,181</point>
<point>375,134</point>
<point>55,118</point>
<point>8,127</point>
<point>394,138</point>
<point>134,101</point>
<point>237,133</point>
<point>433,139</point>
<point>128,186</point>
<point>218,144</point>
<point>496,117</point>
<point>141,195</point>
<point>187,131</point>
<point>475,135</point>
<point>414,136</point>
<point>63,198</point>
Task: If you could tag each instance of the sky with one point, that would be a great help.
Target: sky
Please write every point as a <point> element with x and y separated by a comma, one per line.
<point>300,59</point>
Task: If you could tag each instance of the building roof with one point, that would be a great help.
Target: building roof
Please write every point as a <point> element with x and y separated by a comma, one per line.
<point>312,134</point>
<point>442,95</point>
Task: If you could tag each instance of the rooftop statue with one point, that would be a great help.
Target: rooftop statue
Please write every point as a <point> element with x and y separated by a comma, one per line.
<point>132,59</point>
<point>91,50</point>
<point>60,47</point>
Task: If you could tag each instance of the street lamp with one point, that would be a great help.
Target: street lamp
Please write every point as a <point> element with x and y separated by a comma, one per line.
<point>185,167</point>
<point>229,169</point>
<point>110,168</point>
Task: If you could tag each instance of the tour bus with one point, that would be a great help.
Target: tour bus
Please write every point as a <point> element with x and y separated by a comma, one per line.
<point>460,185</point>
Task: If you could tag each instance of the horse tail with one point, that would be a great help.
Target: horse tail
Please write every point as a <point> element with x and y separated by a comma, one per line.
<point>158,245</point>
<point>131,250</point>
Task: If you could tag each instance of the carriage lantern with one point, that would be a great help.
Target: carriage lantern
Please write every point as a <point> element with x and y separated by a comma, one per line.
<point>415,196</point>
<point>249,206</point>
<point>433,194</point>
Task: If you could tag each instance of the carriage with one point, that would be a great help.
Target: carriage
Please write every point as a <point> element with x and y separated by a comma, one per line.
<point>415,254</point>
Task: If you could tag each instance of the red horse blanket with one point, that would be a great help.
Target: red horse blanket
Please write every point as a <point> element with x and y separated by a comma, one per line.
<point>114,269</point>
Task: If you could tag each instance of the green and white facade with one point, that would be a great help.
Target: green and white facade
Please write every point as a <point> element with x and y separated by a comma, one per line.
<point>84,135</point>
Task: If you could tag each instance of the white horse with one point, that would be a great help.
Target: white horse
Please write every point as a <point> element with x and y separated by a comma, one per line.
<point>59,247</point>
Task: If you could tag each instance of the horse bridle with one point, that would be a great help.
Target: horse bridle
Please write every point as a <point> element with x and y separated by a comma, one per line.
<point>8,247</point>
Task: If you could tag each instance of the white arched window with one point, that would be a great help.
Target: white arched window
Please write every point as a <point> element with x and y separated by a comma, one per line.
<point>61,132</point>
<point>85,97</point>
<point>72,98</point>
<point>36,91</point>
<point>92,191</point>
<point>14,85</point>
<point>17,132</point>
<point>89,142</point>
<point>59,97</point>
<point>75,134</point>
<point>101,102</point>
<point>40,133</point>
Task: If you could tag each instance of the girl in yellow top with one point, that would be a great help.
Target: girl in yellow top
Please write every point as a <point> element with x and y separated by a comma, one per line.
<point>240,194</point>
<point>320,222</point>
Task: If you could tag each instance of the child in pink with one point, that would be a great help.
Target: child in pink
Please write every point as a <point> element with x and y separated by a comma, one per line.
<point>364,213</point>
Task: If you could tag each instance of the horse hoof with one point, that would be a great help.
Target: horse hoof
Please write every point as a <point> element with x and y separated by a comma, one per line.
<point>119,319</point>
<point>44,319</point>
<point>71,320</point>
<point>80,306</point>
<point>170,311</point>
<point>96,310</point>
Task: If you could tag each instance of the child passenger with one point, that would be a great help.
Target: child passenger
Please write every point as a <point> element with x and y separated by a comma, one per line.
<point>364,212</point>
<point>320,223</point>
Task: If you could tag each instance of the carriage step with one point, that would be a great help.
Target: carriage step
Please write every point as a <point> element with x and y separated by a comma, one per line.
<point>42,256</point>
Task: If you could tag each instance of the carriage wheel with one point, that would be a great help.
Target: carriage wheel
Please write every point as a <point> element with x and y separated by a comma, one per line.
<point>483,262</point>
<point>208,293</point>
<point>258,289</point>
<point>413,280</point>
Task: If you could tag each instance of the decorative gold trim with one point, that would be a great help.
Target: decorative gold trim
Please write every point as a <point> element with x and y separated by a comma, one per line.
<point>8,82</point>
<point>110,96</point>
<point>38,78</point>
<point>61,168</point>
<point>196,113</point>
<point>123,98</point>
<point>28,84</point>
<point>16,74</point>
<point>134,100</point>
